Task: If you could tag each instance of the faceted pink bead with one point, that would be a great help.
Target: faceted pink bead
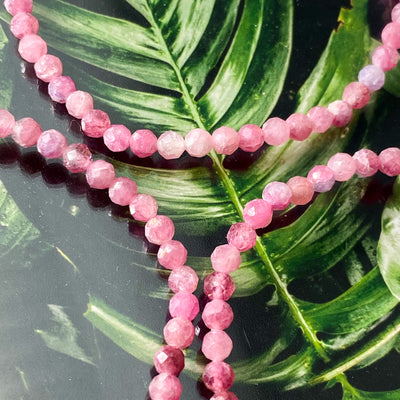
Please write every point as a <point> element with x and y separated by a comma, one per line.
<point>184,305</point>
<point>321,119</point>
<point>183,279</point>
<point>159,229</point>
<point>79,103</point>
<point>356,94</point>
<point>171,145</point>
<point>257,213</point>
<point>117,138</point>
<point>122,190</point>
<point>51,144</point>
<point>300,126</point>
<point>276,131</point>
<point>384,57</point>
<point>322,178</point>
<point>143,143</point>
<point>372,77</point>
<point>169,360</point>
<point>100,174</point>
<point>390,161</point>
<point>32,47</point>
<point>218,376</point>
<point>224,396</point>
<point>396,13</point>
<point>302,190</point>
<point>367,162</point>
<point>226,258</point>
<point>217,345</point>
<point>15,6</point>
<point>26,132</point>
<point>391,35</point>
<point>198,143</point>
<point>225,140</point>
<point>143,207</point>
<point>172,254</point>
<point>48,67</point>
<point>242,236</point>
<point>60,88</point>
<point>343,166</point>
<point>251,137</point>
<point>77,157</point>
<point>219,286</point>
<point>179,332</point>
<point>24,24</point>
<point>7,122</point>
<point>217,314</point>
<point>95,123</point>
<point>342,113</point>
<point>165,387</point>
<point>277,194</point>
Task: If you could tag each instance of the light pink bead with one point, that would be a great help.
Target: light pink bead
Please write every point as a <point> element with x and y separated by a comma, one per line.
<point>342,113</point>
<point>226,258</point>
<point>143,143</point>
<point>95,123</point>
<point>224,396</point>
<point>165,387</point>
<point>219,286</point>
<point>24,24</point>
<point>217,314</point>
<point>32,47</point>
<point>48,67</point>
<point>60,88</point>
<point>217,345</point>
<point>117,138</point>
<point>276,131</point>
<point>322,178</point>
<point>302,190</point>
<point>367,163</point>
<point>343,166</point>
<point>277,194</point>
<point>321,119</point>
<point>372,77</point>
<point>390,161</point>
<point>300,126</point>
<point>391,35</point>
<point>172,254</point>
<point>7,122</point>
<point>218,376</point>
<point>257,213</point>
<point>225,140</point>
<point>26,132</point>
<point>51,144</point>
<point>356,94</point>
<point>242,236</point>
<point>100,174</point>
<point>251,137</point>
<point>396,13</point>
<point>122,190</point>
<point>183,279</point>
<point>171,145</point>
<point>198,143</point>
<point>79,103</point>
<point>77,157</point>
<point>143,207</point>
<point>15,6</point>
<point>385,57</point>
<point>159,229</point>
<point>179,332</point>
<point>169,360</point>
<point>184,305</point>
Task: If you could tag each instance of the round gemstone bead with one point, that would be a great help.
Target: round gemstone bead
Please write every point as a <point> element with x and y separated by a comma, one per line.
<point>390,161</point>
<point>143,207</point>
<point>367,163</point>
<point>24,24</point>
<point>217,345</point>
<point>143,143</point>
<point>395,14</point>
<point>183,279</point>
<point>95,123</point>
<point>342,113</point>
<point>217,314</point>
<point>7,122</point>
<point>198,143</point>
<point>159,229</point>
<point>100,174</point>
<point>48,67</point>
<point>226,258</point>
<point>172,254</point>
<point>51,144</point>
<point>32,47</point>
<point>79,103</point>
<point>26,132</point>
<point>276,131</point>
<point>184,305</point>
<point>321,119</point>
<point>225,140</point>
<point>122,190</point>
<point>60,88</point>
<point>13,7</point>
<point>171,145</point>
<point>219,286</point>
<point>179,333</point>
<point>165,387</point>
<point>356,94</point>
<point>242,236</point>
<point>258,214</point>
<point>169,360</point>
<point>300,126</point>
<point>117,138</point>
<point>277,194</point>
<point>322,178</point>
<point>343,166</point>
<point>77,157</point>
<point>372,77</point>
<point>385,57</point>
<point>218,376</point>
<point>251,137</point>
<point>224,396</point>
<point>302,190</point>
<point>391,35</point>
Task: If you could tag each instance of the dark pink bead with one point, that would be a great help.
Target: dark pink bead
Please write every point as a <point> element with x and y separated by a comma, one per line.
<point>321,119</point>
<point>343,166</point>
<point>117,138</point>
<point>60,88</point>
<point>251,137</point>
<point>302,190</point>
<point>32,47</point>
<point>48,67</point>
<point>257,213</point>
<point>122,190</point>
<point>277,194</point>
<point>218,376</point>
<point>217,314</point>
<point>356,94</point>
<point>79,103</point>
<point>159,229</point>
<point>391,35</point>
<point>242,236</point>
<point>198,143</point>
<point>300,126</point>
<point>15,6</point>
<point>390,161</point>
<point>143,143</point>
<point>95,123</point>
<point>77,157</point>
<point>7,122</point>
<point>322,178</point>
<point>226,258</point>
<point>24,24</point>
<point>100,174</point>
<point>276,131</point>
<point>179,332</point>
<point>219,286</point>
<point>217,345</point>
<point>165,387</point>
<point>169,360</point>
<point>170,145</point>
<point>224,396</point>
<point>26,132</point>
<point>184,305</point>
<point>172,254</point>
<point>183,279</point>
<point>367,163</point>
<point>51,144</point>
<point>385,57</point>
<point>341,111</point>
<point>225,140</point>
<point>143,207</point>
